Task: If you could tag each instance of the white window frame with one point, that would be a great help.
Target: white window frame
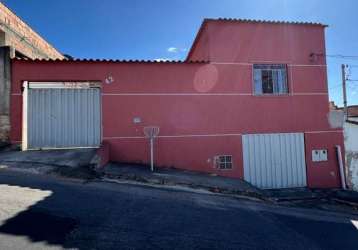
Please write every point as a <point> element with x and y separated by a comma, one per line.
<point>218,162</point>
<point>256,93</point>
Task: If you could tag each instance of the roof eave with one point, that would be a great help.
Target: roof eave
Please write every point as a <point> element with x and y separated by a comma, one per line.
<point>109,61</point>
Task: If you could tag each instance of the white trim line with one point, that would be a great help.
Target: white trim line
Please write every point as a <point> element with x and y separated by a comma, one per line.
<point>170,136</point>
<point>16,93</point>
<point>189,136</point>
<point>313,93</point>
<point>210,135</point>
<point>327,131</point>
<point>205,135</point>
<point>307,65</point>
<point>233,63</point>
<point>177,94</point>
<point>206,94</point>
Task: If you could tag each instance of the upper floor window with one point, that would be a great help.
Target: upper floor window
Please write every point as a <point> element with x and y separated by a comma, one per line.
<point>270,79</point>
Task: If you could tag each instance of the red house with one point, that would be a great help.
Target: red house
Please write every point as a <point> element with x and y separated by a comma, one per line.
<point>250,101</point>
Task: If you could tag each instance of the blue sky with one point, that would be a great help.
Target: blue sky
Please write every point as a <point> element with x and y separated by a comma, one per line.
<point>147,29</point>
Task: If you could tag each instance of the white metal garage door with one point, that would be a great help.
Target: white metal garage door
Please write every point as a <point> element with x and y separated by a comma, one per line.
<point>62,115</point>
<point>274,160</point>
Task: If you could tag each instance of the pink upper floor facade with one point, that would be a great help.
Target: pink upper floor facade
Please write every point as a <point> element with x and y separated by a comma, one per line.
<point>205,105</point>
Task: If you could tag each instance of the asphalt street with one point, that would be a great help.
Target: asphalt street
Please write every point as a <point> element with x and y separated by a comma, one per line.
<point>44,212</point>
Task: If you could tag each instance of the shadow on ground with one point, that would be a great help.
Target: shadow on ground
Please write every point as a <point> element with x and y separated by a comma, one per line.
<point>40,226</point>
<point>37,224</point>
<point>42,210</point>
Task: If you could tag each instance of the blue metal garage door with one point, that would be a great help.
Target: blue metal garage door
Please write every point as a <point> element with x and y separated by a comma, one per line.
<point>274,160</point>
<point>60,117</point>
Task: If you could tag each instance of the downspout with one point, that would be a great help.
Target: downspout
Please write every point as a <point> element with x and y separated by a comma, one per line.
<point>341,167</point>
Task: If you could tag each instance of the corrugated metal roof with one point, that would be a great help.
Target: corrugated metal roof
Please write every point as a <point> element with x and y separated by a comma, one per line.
<point>263,21</point>
<point>109,60</point>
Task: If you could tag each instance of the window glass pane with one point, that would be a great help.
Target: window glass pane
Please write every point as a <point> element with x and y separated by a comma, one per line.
<point>267,84</point>
<point>257,81</point>
<point>275,80</point>
<point>281,81</point>
<point>270,79</point>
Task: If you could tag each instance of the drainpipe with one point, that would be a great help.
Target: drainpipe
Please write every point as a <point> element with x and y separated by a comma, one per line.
<point>341,167</point>
<point>151,155</point>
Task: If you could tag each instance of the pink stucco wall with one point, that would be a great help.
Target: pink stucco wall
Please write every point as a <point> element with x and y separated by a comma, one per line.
<point>231,41</point>
<point>204,108</point>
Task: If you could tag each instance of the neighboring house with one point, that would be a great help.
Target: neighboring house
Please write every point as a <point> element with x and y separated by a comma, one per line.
<point>250,101</point>
<point>351,144</point>
<point>16,39</point>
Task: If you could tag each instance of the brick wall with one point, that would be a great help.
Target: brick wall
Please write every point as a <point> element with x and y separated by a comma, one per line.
<point>14,33</point>
<point>5,72</point>
<point>20,36</point>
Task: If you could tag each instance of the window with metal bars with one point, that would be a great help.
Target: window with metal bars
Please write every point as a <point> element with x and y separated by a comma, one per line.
<point>223,161</point>
<point>270,79</point>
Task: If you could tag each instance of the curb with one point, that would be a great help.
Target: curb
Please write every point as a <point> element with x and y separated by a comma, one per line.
<point>181,187</point>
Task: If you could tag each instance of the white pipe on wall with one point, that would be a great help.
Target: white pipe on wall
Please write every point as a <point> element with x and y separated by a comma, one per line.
<point>24,145</point>
<point>151,155</point>
<point>341,167</point>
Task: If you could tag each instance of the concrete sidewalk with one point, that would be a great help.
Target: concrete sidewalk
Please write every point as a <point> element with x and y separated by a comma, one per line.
<point>77,163</point>
<point>324,199</point>
<point>176,177</point>
<point>305,194</point>
<point>63,157</point>
<point>338,200</point>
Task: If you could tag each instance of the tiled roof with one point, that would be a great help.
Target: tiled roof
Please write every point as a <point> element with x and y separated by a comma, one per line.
<point>262,21</point>
<point>352,110</point>
<point>108,60</point>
